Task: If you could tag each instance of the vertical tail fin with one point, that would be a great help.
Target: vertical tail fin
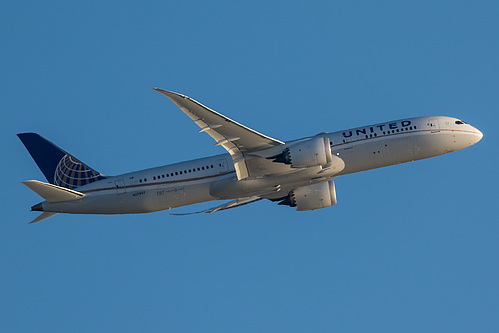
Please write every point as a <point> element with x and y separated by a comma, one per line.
<point>59,167</point>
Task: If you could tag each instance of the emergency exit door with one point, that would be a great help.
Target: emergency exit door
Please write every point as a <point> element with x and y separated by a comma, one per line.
<point>120,186</point>
<point>433,125</point>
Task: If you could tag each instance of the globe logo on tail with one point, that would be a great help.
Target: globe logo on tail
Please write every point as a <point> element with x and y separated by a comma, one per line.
<point>71,173</point>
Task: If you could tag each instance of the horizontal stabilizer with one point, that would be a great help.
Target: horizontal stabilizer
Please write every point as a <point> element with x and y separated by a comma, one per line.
<point>53,193</point>
<point>43,216</point>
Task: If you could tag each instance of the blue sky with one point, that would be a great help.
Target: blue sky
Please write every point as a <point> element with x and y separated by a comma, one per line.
<point>410,248</point>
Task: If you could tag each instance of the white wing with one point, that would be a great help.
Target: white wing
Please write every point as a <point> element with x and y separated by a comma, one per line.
<point>228,205</point>
<point>237,139</point>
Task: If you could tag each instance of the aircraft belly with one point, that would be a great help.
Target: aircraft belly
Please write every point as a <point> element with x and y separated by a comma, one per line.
<point>134,202</point>
<point>231,188</point>
<point>398,149</point>
<point>110,203</point>
<point>363,156</point>
<point>178,196</point>
<point>433,144</point>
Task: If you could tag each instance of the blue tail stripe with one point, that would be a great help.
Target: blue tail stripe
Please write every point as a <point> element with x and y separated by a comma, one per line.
<point>45,153</point>
<point>59,167</point>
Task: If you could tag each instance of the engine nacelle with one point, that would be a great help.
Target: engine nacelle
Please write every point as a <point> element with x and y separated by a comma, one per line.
<point>313,152</point>
<point>312,197</point>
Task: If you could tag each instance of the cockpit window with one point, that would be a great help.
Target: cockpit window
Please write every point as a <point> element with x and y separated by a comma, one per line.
<point>459,122</point>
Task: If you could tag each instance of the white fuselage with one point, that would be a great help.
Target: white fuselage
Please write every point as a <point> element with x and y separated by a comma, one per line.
<point>214,178</point>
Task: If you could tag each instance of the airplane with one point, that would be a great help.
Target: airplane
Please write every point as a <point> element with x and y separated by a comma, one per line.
<point>298,173</point>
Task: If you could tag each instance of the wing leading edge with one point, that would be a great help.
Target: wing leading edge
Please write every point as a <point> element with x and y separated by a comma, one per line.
<point>237,139</point>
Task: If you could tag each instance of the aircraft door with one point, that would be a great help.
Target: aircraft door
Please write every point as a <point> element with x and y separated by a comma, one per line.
<point>434,125</point>
<point>120,186</point>
<point>222,165</point>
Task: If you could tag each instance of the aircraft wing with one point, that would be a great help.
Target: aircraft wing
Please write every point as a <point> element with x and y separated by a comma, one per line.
<point>228,205</point>
<point>237,139</point>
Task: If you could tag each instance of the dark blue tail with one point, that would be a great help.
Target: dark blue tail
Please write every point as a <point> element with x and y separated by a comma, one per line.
<point>60,168</point>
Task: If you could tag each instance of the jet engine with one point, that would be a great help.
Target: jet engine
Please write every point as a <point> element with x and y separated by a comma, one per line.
<point>311,197</point>
<point>304,154</point>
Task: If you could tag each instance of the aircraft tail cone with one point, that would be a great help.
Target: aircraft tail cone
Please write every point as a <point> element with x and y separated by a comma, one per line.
<point>37,208</point>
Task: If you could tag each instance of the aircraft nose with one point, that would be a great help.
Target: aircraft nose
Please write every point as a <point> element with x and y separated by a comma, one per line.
<point>477,135</point>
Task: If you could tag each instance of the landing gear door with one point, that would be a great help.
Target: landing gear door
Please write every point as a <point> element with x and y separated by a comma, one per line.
<point>434,125</point>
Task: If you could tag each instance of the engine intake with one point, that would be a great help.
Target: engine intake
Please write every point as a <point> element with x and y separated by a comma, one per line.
<point>313,152</point>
